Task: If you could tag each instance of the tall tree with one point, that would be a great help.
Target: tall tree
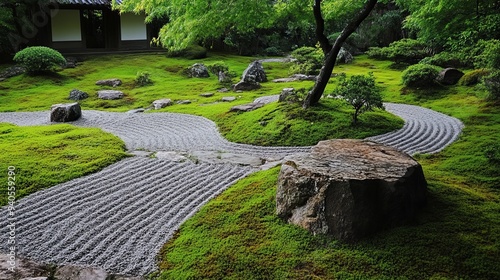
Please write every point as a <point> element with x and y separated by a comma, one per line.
<point>315,94</point>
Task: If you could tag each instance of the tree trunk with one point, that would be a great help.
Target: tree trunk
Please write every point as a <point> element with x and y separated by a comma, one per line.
<point>320,28</point>
<point>315,94</point>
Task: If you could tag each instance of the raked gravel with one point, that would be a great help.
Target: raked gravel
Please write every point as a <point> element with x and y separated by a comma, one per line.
<point>118,219</point>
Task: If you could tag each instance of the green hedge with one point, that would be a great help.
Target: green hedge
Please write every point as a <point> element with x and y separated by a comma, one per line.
<point>39,59</point>
<point>420,75</point>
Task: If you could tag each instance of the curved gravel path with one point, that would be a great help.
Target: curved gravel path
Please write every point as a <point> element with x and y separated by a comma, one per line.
<point>118,219</point>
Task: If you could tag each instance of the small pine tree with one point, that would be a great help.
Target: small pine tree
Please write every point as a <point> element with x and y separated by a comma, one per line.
<point>360,92</point>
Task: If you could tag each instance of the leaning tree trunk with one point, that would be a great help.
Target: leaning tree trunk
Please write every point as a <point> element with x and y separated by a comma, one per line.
<point>315,94</point>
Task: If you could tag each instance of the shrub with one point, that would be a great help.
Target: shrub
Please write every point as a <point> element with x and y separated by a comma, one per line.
<point>486,54</point>
<point>218,66</point>
<point>143,79</point>
<point>360,92</point>
<point>473,77</point>
<point>403,51</point>
<point>309,61</point>
<point>492,84</point>
<point>420,75</point>
<point>273,51</point>
<point>39,59</point>
<point>445,60</point>
<point>191,52</point>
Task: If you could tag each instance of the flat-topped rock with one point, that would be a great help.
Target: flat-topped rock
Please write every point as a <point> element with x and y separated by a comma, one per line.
<point>109,82</point>
<point>207,94</point>
<point>162,103</point>
<point>296,77</point>
<point>350,189</point>
<point>67,112</point>
<point>228,98</point>
<point>110,94</point>
<point>246,107</point>
<point>244,85</point>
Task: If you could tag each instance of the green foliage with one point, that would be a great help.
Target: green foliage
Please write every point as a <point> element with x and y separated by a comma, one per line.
<point>473,77</point>
<point>492,84</point>
<point>218,66</point>
<point>403,51</point>
<point>446,60</point>
<point>190,52</point>
<point>39,59</point>
<point>487,54</point>
<point>143,79</point>
<point>420,75</point>
<point>48,155</point>
<point>309,61</point>
<point>360,92</point>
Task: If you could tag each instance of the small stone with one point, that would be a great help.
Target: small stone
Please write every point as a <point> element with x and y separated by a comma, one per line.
<point>135,111</point>
<point>109,82</point>
<point>198,70</point>
<point>171,156</point>
<point>110,94</point>
<point>223,90</point>
<point>162,103</point>
<point>228,98</point>
<point>65,112</point>
<point>246,107</point>
<point>241,86</point>
<point>288,95</point>
<point>183,102</point>
<point>207,94</point>
<point>76,94</point>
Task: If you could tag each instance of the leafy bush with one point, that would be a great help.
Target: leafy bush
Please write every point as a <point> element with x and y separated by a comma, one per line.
<point>191,52</point>
<point>445,60</point>
<point>420,75</point>
<point>403,51</point>
<point>39,59</point>
<point>218,66</point>
<point>143,79</point>
<point>492,153</point>
<point>489,56</point>
<point>492,84</point>
<point>473,77</point>
<point>309,61</point>
<point>273,51</point>
<point>361,92</point>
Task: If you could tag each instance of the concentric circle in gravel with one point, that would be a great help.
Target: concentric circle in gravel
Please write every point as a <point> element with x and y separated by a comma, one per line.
<point>116,219</point>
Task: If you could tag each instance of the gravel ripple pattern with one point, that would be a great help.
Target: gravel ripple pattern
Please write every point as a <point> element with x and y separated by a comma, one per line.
<point>425,131</point>
<point>116,219</point>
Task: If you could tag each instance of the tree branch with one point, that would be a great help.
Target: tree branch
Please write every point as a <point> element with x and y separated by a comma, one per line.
<point>320,28</point>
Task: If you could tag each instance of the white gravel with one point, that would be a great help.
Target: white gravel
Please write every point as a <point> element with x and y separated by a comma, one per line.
<point>119,218</point>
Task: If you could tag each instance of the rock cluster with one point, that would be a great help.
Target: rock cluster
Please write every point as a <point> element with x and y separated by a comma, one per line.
<point>350,189</point>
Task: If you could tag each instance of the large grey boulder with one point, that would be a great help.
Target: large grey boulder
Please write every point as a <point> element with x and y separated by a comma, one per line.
<point>198,70</point>
<point>76,95</point>
<point>65,112</point>
<point>109,82</point>
<point>254,73</point>
<point>350,189</point>
<point>449,76</point>
<point>344,56</point>
<point>110,94</point>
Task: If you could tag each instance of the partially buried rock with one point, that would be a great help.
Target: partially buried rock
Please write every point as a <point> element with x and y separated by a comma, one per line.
<point>162,103</point>
<point>76,94</point>
<point>207,94</point>
<point>344,56</point>
<point>254,73</point>
<point>287,95</point>
<point>183,102</point>
<point>198,70</point>
<point>449,76</point>
<point>246,86</point>
<point>228,98</point>
<point>350,189</point>
<point>65,112</point>
<point>109,82</point>
<point>110,94</point>
<point>246,107</point>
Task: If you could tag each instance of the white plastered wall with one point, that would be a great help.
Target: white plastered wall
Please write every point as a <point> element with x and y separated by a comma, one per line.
<point>66,26</point>
<point>133,27</point>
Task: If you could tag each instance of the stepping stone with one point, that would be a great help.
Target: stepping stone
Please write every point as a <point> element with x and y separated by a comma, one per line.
<point>207,94</point>
<point>228,98</point>
<point>181,102</point>
<point>246,107</point>
<point>109,82</point>
<point>110,94</point>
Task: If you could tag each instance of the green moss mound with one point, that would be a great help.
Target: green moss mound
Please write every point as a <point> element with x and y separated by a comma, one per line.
<point>44,156</point>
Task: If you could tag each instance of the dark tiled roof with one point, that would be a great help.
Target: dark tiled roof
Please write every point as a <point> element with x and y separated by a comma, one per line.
<point>87,2</point>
